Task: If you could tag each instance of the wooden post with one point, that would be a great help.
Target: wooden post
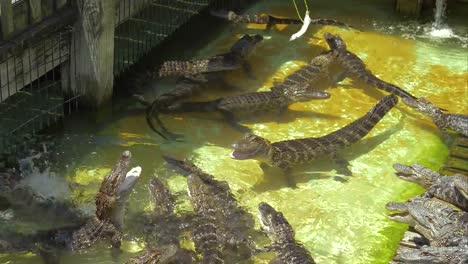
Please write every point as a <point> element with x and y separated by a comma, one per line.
<point>6,17</point>
<point>94,53</point>
<point>409,7</point>
<point>36,10</point>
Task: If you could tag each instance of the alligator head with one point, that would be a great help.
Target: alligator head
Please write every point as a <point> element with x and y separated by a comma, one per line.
<point>423,106</point>
<point>274,223</point>
<point>162,198</point>
<point>416,173</point>
<point>402,213</point>
<point>114,191</point>
<point>299,93</point>
<point>433,219</point>
<point>335,42</point>
<point>245,45</point>
<point>252,147</point>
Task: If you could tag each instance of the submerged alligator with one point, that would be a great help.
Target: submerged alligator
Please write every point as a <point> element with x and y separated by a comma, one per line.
<point>356,67</point>
<point>163,230</point>
<point>287,249</point>
<point>220,228</point>
<point>193,76</point>
<point>436,220</point>
<point>444,121</point>
<point>105,224</point>
<point>286,154</point>
<point>302,85</point>
<point>270,20</point>
<point>452,189</point>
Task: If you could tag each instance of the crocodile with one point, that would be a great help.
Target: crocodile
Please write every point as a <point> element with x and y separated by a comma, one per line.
<point>302,85</point>
<point>164,228</point>
<point>106,223</point>
<point>356,68</point>
<point>270,20</point>
<point>221,226</point>
<point>436,220</point>
<point>444,121</point>
<point>286,154</point>
<point>452,189</point>
<point>433,255</point>
<point>287,248</point>
<point>192,81</point>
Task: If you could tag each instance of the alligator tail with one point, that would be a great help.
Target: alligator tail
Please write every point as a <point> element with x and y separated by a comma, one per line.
<point>361,127</point>
<point>179,68</point>
<point>391,88</point>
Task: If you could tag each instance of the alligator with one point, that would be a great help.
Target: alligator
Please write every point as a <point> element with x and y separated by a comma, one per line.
<point>231,60</point>
<point>444,121</point>
<point>286,154</point>
<point>105,224</point>
<point>299,86</point>
<point>287,249</point>
<point>428,254</point>
<point>270,20</point>
<point>190,83</point>
<point>164,228</point>
<point>221,226</point>
<point>436,220</point>
<point>452,189</point>
<point>356,68</point>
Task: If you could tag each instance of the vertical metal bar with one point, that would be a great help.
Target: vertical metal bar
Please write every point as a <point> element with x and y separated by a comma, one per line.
<point>8,77</point>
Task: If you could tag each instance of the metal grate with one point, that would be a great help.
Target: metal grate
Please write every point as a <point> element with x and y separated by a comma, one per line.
<point>143,24</point>
<point>32,94</point>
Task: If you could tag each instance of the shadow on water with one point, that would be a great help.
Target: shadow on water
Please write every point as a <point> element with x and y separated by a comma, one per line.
<point>322,167</point>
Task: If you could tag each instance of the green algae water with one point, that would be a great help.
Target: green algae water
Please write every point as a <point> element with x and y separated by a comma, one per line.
<point>339,221</point>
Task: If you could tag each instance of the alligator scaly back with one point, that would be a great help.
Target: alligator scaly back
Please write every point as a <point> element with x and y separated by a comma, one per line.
<point>270,20</point>
<point>357,68</point>
<point>178,68</point>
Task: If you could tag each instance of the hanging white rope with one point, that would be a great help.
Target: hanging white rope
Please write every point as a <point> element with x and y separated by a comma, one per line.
<point>304,27</point>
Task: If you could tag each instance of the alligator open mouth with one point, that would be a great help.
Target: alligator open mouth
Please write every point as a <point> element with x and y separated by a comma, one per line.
<point>239,155</point>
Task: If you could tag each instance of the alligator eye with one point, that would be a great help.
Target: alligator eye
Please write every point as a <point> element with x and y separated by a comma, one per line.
<point>235,145</point>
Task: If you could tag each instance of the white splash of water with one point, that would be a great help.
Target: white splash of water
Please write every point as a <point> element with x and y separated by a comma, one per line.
<point>439,28</point>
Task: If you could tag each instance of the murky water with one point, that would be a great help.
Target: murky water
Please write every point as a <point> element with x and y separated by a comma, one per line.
<point>339,222</point>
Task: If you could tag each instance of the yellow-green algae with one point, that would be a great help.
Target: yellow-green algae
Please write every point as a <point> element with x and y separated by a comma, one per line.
<point>339,222</point>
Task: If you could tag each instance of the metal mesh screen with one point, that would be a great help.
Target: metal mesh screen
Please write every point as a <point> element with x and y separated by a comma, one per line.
<point>31,94</point>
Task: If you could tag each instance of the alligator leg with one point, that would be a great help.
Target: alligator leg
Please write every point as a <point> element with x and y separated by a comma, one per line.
<point>341,164</point>
<point>248,70</point>
<point>230,118</point>
<point>461,185</point>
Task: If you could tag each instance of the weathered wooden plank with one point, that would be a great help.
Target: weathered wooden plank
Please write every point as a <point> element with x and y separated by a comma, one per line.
<point>94,58</point>
<point>35,10</point>
<point>21,69</point>
<point>6,17</point>
<point>409,7</point>
<point>457,160</point>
